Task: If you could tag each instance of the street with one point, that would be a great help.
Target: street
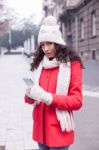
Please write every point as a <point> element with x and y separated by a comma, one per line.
<point>16,116</point>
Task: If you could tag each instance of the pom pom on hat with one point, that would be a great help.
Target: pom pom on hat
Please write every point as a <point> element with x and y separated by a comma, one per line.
<point>50,21</point>
<point>49,31</point>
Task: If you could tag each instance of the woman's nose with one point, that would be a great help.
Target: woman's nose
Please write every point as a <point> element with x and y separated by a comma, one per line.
<point>46,47</point>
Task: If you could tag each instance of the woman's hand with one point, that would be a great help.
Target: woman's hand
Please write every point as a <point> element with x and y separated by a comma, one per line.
<point>39,94</point>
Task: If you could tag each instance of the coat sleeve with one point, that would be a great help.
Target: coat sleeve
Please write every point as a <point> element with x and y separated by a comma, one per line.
<point>73,101</point>
<point>28,100</point>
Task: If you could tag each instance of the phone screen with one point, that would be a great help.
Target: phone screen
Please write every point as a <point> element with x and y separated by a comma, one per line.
<point>28,81</point>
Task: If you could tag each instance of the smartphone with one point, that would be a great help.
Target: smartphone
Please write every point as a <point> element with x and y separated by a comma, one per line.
<point>28,81</point>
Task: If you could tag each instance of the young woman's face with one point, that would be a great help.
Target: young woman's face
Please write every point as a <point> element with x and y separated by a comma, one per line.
<point>48,49</point>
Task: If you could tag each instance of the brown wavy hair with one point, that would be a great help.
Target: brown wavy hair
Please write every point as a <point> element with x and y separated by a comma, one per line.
<point>63,54</point>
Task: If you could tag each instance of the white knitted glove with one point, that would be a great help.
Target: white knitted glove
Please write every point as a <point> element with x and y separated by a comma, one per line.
<point>28,92</point>
<point>39,94</point>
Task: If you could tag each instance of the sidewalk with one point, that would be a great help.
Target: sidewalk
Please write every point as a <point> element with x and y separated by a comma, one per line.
<point>15,115</point>
<point>91,78</point>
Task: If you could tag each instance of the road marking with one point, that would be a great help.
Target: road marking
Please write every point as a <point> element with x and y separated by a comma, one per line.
<point>91,93</point>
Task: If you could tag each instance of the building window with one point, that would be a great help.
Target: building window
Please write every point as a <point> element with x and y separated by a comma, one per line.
<point>69,25</point>
<point>93,20</point>
<point>82,28</point>
<point>94,54</point>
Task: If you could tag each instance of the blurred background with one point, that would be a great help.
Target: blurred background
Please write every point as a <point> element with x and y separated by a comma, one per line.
<point>78,20</point>
<point>20,21</point>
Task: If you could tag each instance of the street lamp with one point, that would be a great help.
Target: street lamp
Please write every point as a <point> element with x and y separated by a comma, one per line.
<point>9,40</point>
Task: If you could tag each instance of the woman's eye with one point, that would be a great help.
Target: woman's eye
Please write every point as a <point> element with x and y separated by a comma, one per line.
<point>42,45</point>
<point>49,43</point>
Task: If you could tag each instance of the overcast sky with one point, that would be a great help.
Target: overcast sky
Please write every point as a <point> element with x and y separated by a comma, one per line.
<point>27,8</point>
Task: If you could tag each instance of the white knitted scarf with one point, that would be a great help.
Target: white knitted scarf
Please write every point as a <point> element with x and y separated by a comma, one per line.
<point>64,117</point>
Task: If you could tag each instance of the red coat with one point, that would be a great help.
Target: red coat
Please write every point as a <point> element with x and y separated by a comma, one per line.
<point>46,128</point>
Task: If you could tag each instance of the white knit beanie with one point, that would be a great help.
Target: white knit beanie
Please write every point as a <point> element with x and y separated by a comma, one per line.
<point>49,31</point>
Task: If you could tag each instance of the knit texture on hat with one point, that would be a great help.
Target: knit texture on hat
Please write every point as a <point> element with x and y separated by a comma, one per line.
<point>49,31</point>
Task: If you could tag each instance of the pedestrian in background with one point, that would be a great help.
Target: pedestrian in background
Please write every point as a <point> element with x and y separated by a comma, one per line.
<point>57,89</point>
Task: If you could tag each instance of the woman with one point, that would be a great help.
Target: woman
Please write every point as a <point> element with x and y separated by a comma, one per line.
<point>57,89</point>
